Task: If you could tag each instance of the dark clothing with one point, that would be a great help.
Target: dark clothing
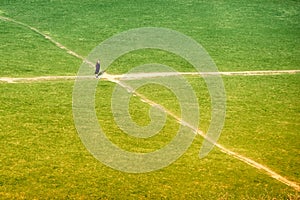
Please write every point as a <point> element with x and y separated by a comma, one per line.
<point>97,68</point>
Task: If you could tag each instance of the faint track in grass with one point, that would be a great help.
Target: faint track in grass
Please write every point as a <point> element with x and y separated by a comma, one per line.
<point>136,76</point>
<point>35,79</point>
<point>114,78</point>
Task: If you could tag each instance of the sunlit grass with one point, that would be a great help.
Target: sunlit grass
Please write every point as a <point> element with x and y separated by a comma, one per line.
<point>43,157</point>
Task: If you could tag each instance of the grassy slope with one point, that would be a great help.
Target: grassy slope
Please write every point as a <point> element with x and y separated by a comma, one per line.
<point>239,35</point>
<point>42,154</point>
<point>43,157</point>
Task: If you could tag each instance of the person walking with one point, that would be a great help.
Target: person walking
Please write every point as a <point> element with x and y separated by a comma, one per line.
<point>97,70</point>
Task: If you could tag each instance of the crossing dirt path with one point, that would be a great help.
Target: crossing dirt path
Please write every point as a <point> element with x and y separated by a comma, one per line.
<point>114,78</point>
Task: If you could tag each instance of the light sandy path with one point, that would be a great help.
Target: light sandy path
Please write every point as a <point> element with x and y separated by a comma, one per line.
<point>136,76</point>
<point>240,157</point>
<point>34,79</point>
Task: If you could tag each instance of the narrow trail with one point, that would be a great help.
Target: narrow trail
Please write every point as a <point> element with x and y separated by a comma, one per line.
<point>134,76</point>
<point>137,76</point>
<point>34,79</point>
<point>112,78</point>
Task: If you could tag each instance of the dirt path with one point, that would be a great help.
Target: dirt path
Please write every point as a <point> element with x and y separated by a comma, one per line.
<point>136,76</point>
<point>112,78</point>
<point>34,79</point>
<point>237,73</point>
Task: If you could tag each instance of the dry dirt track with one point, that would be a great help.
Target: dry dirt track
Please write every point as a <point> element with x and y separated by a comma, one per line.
<point>240,157</point>
<point>134,76</point>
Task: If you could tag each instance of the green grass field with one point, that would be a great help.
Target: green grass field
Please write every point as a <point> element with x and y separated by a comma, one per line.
<point>42,156</point>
